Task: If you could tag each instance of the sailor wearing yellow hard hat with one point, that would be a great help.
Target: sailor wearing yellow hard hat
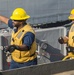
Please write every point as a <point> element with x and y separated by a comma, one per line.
<point>69,39</point>
<point>23,42</point>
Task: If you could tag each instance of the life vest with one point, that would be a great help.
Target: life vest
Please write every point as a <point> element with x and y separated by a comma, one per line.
<point>71,36</point>
<point>23,56</point>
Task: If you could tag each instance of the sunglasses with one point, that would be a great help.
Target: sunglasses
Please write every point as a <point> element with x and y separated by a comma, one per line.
<point>18,20</point>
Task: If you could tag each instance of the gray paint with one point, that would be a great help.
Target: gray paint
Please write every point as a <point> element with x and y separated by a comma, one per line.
<point>41,11</point>
<point>43,69</point>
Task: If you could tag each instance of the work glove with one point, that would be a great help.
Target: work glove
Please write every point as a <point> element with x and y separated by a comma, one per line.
<point>61,40</point>
<point>11,48</point>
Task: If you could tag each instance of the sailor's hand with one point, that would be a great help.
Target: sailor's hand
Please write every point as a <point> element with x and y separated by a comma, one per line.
<point>10,48</point>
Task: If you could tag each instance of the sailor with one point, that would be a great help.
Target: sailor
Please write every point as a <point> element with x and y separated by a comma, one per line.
<point>69,39</point>
<point>23,43</point>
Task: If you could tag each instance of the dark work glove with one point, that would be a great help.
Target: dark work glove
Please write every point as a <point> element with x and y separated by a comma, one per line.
<point>11,48</point>
<point>61,40</point>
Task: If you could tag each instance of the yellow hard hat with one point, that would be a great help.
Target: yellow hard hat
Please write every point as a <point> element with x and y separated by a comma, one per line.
<point>71,17</point>
<point>19,14</point>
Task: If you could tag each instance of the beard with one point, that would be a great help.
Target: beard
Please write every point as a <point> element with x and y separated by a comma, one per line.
<point>16,24</point>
